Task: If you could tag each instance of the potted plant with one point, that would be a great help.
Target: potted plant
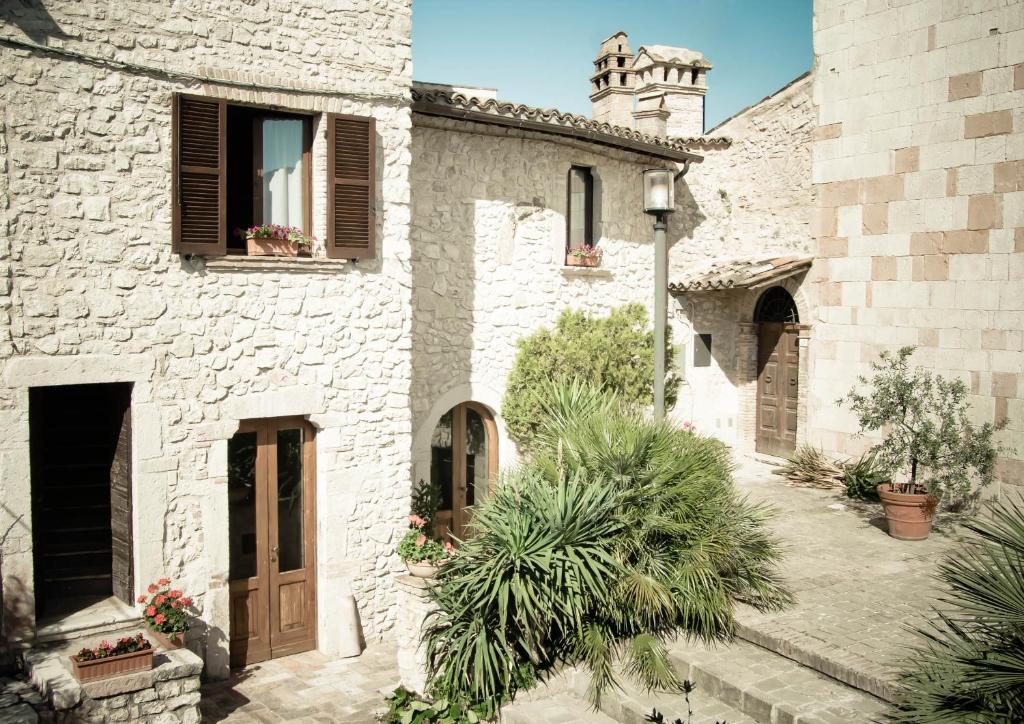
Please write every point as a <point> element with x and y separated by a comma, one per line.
<point>422,554</point>
<point>131,653</point>
<point>166,612</point>
<point>930,449</point>
<point>276,240</point>
<point>585,255</point>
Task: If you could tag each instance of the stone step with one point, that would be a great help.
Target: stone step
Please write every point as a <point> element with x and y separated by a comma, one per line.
<point>857,671</point>
<point>770,688</point>
<point>555,709</point>
<point>631,705</point>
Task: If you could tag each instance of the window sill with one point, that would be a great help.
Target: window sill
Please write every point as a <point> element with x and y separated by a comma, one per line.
<point>296,264</point>
<point>590,272</point>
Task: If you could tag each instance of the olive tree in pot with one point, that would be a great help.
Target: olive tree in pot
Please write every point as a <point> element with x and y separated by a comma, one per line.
<point>931,450</point>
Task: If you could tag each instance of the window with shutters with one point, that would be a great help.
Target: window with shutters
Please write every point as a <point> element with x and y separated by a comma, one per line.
<point>239,166</point>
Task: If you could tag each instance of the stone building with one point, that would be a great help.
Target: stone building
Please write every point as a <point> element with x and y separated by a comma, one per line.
<point>258,422</point>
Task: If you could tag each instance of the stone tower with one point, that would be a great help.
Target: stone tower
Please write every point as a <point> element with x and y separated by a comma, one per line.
<point>611,86</point>
<point>670,87</point>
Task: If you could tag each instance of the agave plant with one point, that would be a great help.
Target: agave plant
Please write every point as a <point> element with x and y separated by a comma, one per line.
<point>969,666</point>
<point>618,535</point>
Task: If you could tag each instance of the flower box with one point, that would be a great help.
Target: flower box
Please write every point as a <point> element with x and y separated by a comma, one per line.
<point>169,641</point>
<point>111,666</point>
<point>271,247</point>
<point>588,261</point>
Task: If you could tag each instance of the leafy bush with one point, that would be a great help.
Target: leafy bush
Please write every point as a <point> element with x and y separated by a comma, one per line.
<point>614,353</point>
<point>619,534</point>
<point>809,467</point>
<point>927,434</point>
<point>969,666</point>
<point>407,707</point>
<point>863,477</point>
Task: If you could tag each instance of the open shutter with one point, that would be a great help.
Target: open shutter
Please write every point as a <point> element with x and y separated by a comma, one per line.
<point>200,172</point>
<point>351,187</point>
<point>121,568</point>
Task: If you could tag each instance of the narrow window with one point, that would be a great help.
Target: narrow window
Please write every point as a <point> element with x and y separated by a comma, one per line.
<point>622,79</point>
<point>580,211</point>
<point>702,350</point>
<point>622,62</point>
<point>693,77</point>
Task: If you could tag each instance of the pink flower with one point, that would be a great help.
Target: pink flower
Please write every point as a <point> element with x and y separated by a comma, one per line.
<point>185,601</point>
<point>417,521</point>
<point>141,599</point>
<point>448,546</point>
<point>421,540</point>
<point>159,600</point>
<point>164,581</point>
<point>151,610</point>
<point>159,619</point>
<point>152,588</point>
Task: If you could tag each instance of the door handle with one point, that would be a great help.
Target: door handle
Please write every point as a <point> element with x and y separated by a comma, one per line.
<point>768,378</point>
<point>273,553</point>
<point>792,382</point>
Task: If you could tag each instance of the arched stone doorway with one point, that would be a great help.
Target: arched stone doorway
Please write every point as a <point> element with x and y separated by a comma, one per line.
<point>463,462</point>
<point>778,372</point>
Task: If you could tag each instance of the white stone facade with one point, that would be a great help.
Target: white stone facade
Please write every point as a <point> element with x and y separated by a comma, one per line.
<point>93,293</point>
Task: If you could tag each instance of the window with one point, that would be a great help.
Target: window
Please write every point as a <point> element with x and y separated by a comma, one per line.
<point>621,62</point>
<point>693,77</point>
<point>237,166</point>
<point>622,79</point>
<point>702,350</point>
<point>580,208</point>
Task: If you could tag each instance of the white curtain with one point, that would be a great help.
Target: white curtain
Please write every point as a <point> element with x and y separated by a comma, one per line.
<point>282,171</point>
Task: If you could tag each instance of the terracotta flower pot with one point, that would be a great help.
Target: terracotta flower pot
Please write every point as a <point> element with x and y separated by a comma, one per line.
<point>112,665</point>
<point>271,247</point>
<point>590,261</point>
<point>909,515</point>
<point>423,569</point>
<point>169,641</point>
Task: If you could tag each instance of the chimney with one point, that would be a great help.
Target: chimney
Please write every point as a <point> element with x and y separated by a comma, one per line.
<point>671,85</point>
<point>611,86</point>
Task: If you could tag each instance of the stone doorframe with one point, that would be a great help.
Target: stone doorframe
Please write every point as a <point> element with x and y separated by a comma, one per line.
<point>746,352</point>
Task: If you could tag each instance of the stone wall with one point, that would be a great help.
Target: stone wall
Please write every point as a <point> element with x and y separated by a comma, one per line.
<point>91,291</point>
<point>920,226</point>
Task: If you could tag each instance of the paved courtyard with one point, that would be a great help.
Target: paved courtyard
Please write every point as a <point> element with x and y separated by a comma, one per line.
<point>858,590</point>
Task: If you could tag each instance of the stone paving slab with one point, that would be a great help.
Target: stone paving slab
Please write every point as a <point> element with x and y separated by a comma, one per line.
<point>558,709</point>
<point>858,591</point>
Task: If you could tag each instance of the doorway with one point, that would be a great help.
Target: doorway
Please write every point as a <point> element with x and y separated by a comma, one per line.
<point>778,372</point>
<point>464,460</point>
<point>80,455</point>
<point>272,535</point>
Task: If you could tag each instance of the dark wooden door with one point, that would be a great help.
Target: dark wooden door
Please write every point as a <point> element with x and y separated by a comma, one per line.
<point>272,519</point>
<point>778,369</point>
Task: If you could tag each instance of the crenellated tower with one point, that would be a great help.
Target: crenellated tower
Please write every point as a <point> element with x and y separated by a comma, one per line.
<point>611,85</point>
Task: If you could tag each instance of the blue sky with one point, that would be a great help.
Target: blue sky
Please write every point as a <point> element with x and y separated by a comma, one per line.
<point>540,52</point>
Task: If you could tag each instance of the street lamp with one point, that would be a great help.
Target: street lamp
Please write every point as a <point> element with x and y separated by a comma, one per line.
<point>659,200</point>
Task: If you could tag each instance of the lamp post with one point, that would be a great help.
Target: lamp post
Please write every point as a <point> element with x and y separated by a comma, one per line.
<point>659,201</point>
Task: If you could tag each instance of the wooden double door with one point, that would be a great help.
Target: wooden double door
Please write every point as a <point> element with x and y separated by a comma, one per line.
<point>272,533</point>
<point>778,385</point>
<point>464,461</point>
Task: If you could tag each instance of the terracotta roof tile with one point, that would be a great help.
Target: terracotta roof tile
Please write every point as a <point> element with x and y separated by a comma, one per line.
<point>741,273</point>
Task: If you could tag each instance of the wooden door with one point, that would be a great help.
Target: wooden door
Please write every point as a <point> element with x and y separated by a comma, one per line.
<point>778,370</point>
<point>465,460</point>
<point>272,518</point>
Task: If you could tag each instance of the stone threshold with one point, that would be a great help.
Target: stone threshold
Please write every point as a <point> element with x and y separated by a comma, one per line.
<point>100,619</point>
<point>586,272</point>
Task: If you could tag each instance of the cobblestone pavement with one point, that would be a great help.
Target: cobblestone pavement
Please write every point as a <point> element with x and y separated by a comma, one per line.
<point>19,702</point>
<point>305,688</point>
<point>857,589</point>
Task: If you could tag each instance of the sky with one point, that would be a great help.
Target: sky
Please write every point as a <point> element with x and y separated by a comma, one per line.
<point>541,52</point>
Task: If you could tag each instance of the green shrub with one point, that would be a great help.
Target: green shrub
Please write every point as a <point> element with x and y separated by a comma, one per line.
<point>969,666</point>
<point>614,353</point>
<point>863,477</point>
<point>408,707</point>
<point>927,435</point>
<point>617,535</point>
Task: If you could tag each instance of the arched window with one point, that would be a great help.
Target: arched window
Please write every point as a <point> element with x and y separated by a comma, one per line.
<point>463,462</point>
<point>776,305</point>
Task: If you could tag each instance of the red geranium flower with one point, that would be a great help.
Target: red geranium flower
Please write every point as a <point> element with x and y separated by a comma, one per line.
<point>151,610</point>
<point>152,588</point>
<point>186,601</point>
<point>159,619</point>
<point>159,599</point>
<point>142,599</point>
<point>174,594</point>
<point>164,581</point>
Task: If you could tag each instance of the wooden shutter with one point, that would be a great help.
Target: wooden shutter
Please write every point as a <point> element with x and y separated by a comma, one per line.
<point>121,568</point>
<point>351,187</point>
<point>200,175</point>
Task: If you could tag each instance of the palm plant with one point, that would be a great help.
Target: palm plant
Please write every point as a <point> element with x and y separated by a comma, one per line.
<point>618,535</point>
<point>969,666</point>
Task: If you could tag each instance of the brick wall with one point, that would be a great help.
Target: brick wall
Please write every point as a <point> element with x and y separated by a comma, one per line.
<point>918,165</point>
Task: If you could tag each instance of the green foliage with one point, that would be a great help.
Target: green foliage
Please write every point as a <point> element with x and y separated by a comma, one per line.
<point>969,666</point>
<point>618,535</point>
<point>614,353</point>
<point>416,547</point>
<point>407,707</point>
<point>926,431</point>
<point>809,467</point>
<point>863,477</point>
<point>426,501</point>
